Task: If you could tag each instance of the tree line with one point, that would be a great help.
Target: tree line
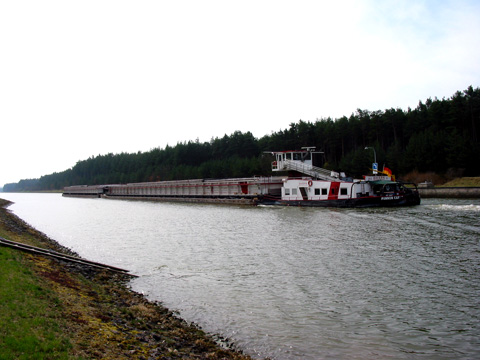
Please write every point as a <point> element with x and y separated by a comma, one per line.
<point>439,135</point>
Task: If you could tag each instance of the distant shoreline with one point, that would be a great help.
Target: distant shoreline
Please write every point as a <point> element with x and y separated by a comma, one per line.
<point>450,192</point>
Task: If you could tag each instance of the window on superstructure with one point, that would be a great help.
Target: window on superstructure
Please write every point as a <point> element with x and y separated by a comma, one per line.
<point>287,191</point>
<point>343,191</point>
<point>294,191</point>
<point>324,191</point>
<point>317,191</point>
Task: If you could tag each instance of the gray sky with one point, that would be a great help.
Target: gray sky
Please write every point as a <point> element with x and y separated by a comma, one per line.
<point>82,78</point>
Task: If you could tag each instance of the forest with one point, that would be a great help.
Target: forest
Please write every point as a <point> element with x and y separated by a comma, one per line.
<point>439,136</point>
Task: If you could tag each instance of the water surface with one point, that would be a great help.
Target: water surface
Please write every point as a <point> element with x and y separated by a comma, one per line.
<point>292,283</point>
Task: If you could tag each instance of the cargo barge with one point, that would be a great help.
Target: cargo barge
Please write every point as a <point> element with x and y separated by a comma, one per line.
<point>228,191</point>
<point>305,185</point>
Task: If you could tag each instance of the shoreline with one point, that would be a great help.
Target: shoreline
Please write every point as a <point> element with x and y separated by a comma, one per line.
<point>450,192</point>
<point>100,315</point>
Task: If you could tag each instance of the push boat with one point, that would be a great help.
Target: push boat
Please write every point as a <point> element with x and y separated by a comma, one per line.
<point>325,188</point>
<point>305,185</point>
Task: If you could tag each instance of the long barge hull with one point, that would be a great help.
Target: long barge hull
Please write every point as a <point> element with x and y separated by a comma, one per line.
<point>201,200</point>
<point>243,191</point>
<point>182,199</point>
<point>255,191</point>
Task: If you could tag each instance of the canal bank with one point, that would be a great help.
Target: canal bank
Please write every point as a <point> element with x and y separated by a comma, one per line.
<point>91,312</point>
<point>450,192</point>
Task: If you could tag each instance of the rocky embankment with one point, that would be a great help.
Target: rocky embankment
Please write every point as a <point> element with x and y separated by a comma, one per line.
<point>101,316</point>
<point>450,192</point>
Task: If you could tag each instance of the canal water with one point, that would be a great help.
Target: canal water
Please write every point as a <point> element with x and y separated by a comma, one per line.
<point>292,283</point>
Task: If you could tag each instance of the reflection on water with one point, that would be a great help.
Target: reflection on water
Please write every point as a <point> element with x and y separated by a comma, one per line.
<point>292,283</point>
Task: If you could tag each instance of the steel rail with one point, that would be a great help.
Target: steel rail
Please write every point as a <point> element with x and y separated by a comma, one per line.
<point>57,255</point>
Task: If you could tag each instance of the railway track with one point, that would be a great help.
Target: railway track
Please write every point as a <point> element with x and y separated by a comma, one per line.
<point>54,254</point>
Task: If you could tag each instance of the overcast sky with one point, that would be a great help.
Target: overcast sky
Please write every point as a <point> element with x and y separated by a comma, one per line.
<point>83,78</point>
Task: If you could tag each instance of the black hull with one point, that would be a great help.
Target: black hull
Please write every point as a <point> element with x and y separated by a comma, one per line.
<point>365,202</point>
<point>407,199</point>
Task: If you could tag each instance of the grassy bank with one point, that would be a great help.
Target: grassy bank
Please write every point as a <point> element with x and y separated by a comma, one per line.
<point>54,310</point>
<point>450,179</point>
<point>463,182</point>
<point>29,313</point>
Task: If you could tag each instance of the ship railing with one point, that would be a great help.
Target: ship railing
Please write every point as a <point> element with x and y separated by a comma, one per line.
<point>314,171</point>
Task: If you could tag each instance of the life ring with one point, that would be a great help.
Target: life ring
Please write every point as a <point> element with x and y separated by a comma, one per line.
<point>310,182</point>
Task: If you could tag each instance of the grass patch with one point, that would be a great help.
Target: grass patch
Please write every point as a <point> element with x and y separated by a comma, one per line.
<point>29,313</point>
<point>450,179</point>
<point>463,182</point>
